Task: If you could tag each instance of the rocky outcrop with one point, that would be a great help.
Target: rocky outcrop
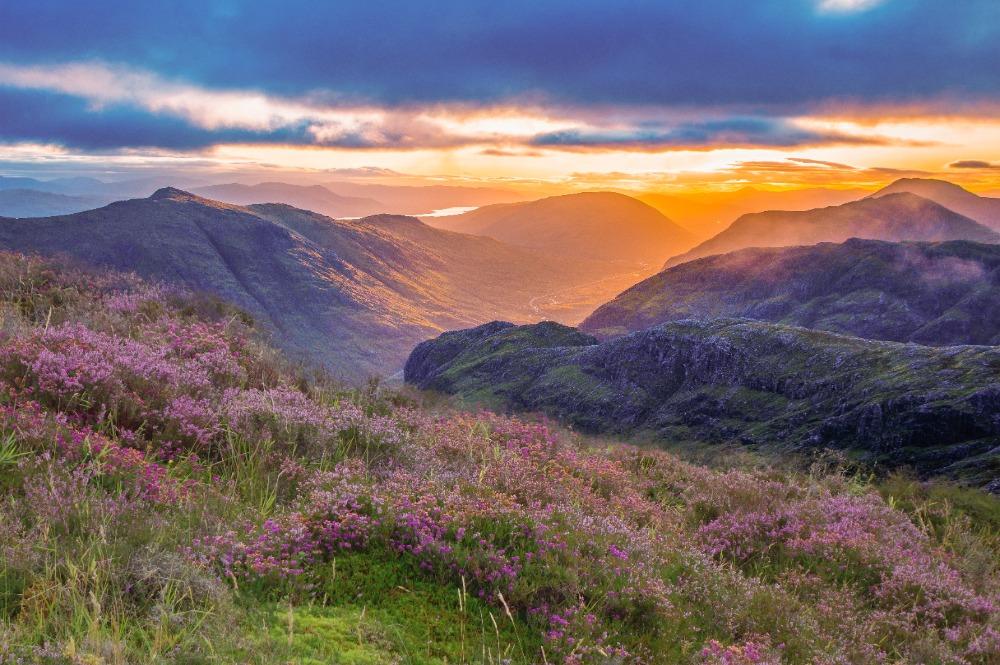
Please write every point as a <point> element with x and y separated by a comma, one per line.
<point>776,387</point>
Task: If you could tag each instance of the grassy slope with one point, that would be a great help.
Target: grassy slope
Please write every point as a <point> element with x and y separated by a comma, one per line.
<point>322,525</point>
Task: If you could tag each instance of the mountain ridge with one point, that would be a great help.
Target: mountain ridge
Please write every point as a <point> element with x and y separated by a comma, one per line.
<point>930,293</point>
<point>353,295</point>
<point>982,209</point>
<point>897,217</point>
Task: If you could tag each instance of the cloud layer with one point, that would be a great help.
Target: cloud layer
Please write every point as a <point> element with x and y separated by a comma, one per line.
<point>511,80</point>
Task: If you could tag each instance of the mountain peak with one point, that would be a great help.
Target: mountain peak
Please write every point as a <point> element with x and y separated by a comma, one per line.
<point>918,185</point>
<point>172,194</point>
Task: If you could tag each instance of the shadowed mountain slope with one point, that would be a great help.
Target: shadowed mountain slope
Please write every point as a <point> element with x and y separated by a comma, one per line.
<point>982,209</point>
<point>930,293</point>
<point>728,380</point>
<point>589,225</point>
<point>896,217</point>
<point>353,295</point>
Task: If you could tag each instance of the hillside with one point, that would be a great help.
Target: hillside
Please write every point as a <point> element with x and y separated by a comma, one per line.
<point>930,293</point>
<point>354,296</point>
<point>781,388</point>
<point>309,197</point>
<point>982,209</point>
<point>895,217</point>
<point>589,225</point>
<point>174,492</point>
<point>37,203</point>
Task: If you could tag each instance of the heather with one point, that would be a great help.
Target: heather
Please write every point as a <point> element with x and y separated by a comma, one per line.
<point>175,491</point>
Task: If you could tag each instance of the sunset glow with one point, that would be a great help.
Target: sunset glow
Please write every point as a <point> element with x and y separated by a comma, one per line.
<point>101,111</point>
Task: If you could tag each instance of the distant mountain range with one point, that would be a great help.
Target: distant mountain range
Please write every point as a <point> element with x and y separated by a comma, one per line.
<point>897,217</point>
<point>588,225</point>
<point>929,293</point>
<point>982,209</point>
<point>309,197</point>
<point>422,199</point>
<point>336,199</point>
<point>779,387</point>
<point>35,203</point>
<point>352,295</point>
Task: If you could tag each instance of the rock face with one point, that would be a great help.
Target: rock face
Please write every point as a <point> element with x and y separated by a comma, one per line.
<point>896,217</point>
<point>930,293</point>
<point>779,387</point>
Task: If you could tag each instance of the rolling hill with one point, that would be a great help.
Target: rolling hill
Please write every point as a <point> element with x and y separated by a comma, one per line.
<point>930,293</point>
<point>588,225</point>
<point>782,388</point>
<point>896,217</point>
<point>353,295</point>
<point>982,209</point>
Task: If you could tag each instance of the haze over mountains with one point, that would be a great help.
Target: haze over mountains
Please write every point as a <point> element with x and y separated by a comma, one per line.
<point>982,209</point>
<point>706,213</point>
<point>353,295</point>
<point>37,203</point>
<point>896,217</point>
<point>930,293</point>
<point>587,225</point>
<point>308,197</point>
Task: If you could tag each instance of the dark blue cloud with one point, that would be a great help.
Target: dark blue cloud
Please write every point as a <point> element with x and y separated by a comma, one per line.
<point>756,55</point>
<point>729,131</point>
<point>72,122</point>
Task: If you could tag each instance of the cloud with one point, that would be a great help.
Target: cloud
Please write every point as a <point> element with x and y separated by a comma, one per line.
<point>847,6</point>
<point>804,171</point>
<point>101,105</point>
<point>973,164</point>
<point>730,132</point>
<point>502,152</point>
<point>764,54</point>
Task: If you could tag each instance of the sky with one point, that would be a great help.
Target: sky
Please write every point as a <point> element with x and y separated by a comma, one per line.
<point>658,95</point>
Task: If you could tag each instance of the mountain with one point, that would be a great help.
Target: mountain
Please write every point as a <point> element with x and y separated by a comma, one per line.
<point>930,293</point>
<point>310,197</point>
<point>896,217</point>
<point>90,187</point>
<point>423,199</point>
<point>779,387</point>
<point>982,209</point>
<point>35,203</point>
<point>588,225</point>
<point>353,295</point>
<point>707,213</point>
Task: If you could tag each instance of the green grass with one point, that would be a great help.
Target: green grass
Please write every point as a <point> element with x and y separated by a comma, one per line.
<point>375,608</point>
